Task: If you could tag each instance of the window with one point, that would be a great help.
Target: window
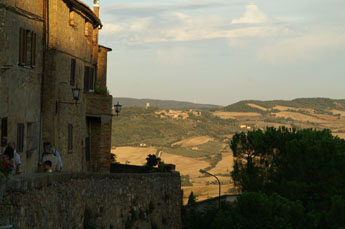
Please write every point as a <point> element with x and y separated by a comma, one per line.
<point>31,137</point>
<point>22,47</point>
<point>27,48</point>
<point>70,137</point>
<point>89,79</point>
<point>33,49</point>
<point>4,132</point>
<point>20,137</point>
<point>88,31</point>
<point>71,18</point>
<point>72,77</point>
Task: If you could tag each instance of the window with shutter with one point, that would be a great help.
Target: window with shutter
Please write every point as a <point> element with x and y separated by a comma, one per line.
<point>22,46</point>
<point>31,136</point>
<point>33,49</point>
<point>27,48</point>
<point>70,137</point>
<point>4,132</point>
<point>86,79</point>
<point>87,149</point>
<point>89,79</point>
<point>92,79</point>
<point>72,77</point>
<point>20,137</point>
<point>71,18</point>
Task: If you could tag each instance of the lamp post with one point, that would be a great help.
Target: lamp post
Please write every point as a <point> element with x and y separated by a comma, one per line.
<point>117,108</point>
<point>205,172</point>
<point>75,94</point>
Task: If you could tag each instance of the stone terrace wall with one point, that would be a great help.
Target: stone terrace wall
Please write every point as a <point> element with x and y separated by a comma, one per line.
<point>78,200</point>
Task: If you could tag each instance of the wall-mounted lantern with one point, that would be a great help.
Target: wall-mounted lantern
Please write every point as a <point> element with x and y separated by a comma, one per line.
<point>117,108</point>
<point>75,94</point>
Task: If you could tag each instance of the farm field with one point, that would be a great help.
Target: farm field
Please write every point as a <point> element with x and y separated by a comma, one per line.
<point>186,166</point>
<point>199,139</point>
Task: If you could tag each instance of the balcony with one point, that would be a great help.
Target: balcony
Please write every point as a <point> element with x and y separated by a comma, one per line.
<point>98,104</point>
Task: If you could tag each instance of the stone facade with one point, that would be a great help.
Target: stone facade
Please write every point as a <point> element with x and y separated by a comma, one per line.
<point>67,56</point>
<point>20,83</point>
<point>86,200</point>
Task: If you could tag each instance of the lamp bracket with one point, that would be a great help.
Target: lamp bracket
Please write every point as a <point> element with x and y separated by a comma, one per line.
<point>56,105</point>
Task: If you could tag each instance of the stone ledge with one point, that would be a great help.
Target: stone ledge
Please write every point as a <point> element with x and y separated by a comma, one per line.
<point>24,183</point>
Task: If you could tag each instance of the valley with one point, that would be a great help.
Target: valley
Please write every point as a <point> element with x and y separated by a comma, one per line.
<point>199,139</point>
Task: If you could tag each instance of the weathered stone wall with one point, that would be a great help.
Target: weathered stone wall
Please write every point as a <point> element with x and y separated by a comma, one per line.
<point>102,68</point>
<point>20,86</point>
<point>100,106</point>
<point>67,41</point>
<point>102,200</point>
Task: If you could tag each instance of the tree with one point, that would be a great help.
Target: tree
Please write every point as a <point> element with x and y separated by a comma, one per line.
<point>191,198</point>
<point>305,165</point>
<point>289,179</point>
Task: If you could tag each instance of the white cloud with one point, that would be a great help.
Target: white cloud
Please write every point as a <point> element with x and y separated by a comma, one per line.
<point>305,46</point>
<point>182,27</point>
<point>110,29</point>
<point>252,15</point>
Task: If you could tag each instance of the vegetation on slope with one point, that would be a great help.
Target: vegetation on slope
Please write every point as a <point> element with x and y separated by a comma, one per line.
<point>137,125</point>
<point>311,103</point>
<point>164,104</point>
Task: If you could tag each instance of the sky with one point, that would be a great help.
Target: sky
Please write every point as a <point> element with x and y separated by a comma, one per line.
<point>224,51</point>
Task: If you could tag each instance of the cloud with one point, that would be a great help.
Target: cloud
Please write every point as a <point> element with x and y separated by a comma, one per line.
<point>307,45</point>
<point>179,26</point>
<point>252,15</point>
<point>136,10</point>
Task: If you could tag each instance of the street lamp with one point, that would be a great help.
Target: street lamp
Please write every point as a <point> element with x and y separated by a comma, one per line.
<point>75,94</point>
<point>117,108</point>
<point>205,172</point>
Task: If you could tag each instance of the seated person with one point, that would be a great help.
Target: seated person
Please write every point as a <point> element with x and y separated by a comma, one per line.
<point>49,148</point>
<point>16,158</point>
<point>54,161</point>
<point>47,167</point>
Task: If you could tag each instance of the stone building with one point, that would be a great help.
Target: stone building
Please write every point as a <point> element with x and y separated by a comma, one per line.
<point>51,47</point>
<point>21,68</point>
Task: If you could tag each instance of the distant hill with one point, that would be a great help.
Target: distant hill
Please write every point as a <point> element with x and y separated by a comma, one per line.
<point>318,104</point>
<point>164,104</point>
<point>137,125</point>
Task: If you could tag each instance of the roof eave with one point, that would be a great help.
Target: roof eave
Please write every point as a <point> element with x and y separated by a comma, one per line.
<point>85,11</point>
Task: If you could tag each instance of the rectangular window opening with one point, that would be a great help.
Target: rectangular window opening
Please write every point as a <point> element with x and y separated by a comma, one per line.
<point>72,77</point>
<point>70,137</point>
<point>4,124</point>
<point>27,48</point>
<point>20,137</point>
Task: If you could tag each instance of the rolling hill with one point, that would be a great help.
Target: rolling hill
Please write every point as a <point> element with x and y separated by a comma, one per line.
<point>164,104</point>
<point>199,138</point>
<point>318,104</point>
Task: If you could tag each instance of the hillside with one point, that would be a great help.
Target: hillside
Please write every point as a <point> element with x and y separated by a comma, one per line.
<point>164,104</point>
<point>154,127</point>
<point>318,104</point>
<point>194,139</point>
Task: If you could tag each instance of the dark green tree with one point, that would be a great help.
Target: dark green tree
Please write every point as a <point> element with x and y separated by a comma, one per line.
<point>306,165</point>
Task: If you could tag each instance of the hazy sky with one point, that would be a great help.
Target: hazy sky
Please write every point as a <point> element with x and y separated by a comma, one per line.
<point>223,51</point>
